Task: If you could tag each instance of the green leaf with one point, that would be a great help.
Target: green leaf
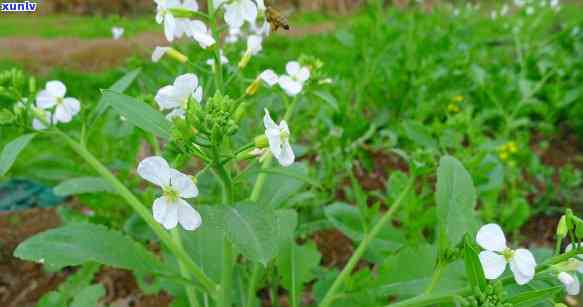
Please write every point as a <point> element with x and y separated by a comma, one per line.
<point>89,296</point>
<point>409,272</point>
<point>474,269</point>
<point>76,244</point>
<point>119,86</point>
<point>295,265</point>
<point>530,298</point>
<point>82,185</point>
<point>139,114</point>
<point>287,221</point>
<point>11,151</point>
<point>253,230</point>
<point>283,185</point>
<point>349,221</point>
<point>70,287</point>
<point>205,244</point>
<point>419,134</point>
<point>456,199</point>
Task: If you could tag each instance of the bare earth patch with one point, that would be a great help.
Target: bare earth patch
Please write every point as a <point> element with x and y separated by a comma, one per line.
<point>40,55</point>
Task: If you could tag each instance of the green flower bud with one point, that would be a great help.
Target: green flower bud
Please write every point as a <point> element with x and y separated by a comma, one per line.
<point>562,228</point>
<point>261,141</point>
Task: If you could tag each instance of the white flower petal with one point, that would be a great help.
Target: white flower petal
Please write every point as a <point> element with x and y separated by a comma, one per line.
<point>248,10</point>
<point>72,105</point>
<point>523,266</point>
<point>268,123</point>
<point>269,77</point>
<point>176,113</point>
<point>39,125</point>
<point>303,74</point>
<point>183,184</point>
<point>167,98</point>
<point>197,95</point>
<point>169,27</point>
<point>171,219</point>
<point>155,170</point>
<point>491,237</point>
<point>570,282</point>
<point>45,100</point>
<point>287,156</point>
<point>56,88</point>
<point>292,68</point>
<point>233,16</point>
<point>158,53</point>
<point>290,86</point>
<point>190,5</point>
<point>254,44</point>
<point>185,85</point>
<point>159,209</point>
<point>188,217</point>
<point>492,264</point>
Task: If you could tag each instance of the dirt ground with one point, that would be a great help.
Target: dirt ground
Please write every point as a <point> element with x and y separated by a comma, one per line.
<point>40,55</point>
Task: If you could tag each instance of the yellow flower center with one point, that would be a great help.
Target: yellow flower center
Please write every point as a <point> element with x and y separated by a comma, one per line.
<point>508,254</point>
<point>171,194</point>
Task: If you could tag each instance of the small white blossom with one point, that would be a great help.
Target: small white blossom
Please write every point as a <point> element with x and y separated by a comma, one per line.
<point>117,32</point>
<point>171,208</point>
<point>37,124</point>
<point>224,60</point>
<point>262,30</point>
<point>199,32</point>
<point>176,97</point>
<point>238,11</point>
<point>579,257</point>
<point>254,45</point>
<point>233,35</point>
<point>269,77</point>
<point>293,82</point>
<point>159,53</point>
<point>497,255</point>
<point>174,27</point>
<point>278,138</point>
<point>65,108</point>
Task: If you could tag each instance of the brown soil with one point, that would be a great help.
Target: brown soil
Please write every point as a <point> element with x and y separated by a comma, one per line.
<point>40,55</point>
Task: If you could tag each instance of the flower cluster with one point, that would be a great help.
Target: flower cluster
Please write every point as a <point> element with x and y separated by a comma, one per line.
<point>292,82</point>
<point>507,150</point>
<point>53,107</point>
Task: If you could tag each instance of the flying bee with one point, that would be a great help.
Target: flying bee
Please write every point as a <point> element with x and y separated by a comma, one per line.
<point>275,18</point>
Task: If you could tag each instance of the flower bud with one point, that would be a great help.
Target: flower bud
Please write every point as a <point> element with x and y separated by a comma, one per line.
<point>261,141</point>
<point>562,228</point>
<point>175,54</point>
<point>244,60</point>
<point>253,87</point>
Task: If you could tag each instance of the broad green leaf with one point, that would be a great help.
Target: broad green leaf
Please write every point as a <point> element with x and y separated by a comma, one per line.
<point>419,134</point>
<point>70,287</point>
<point>474,269</point>
<point>295,265</point>
<point>89,296</point>
<point>409,272</point>
<point>11,151</point>
<point>205,244</point>
<point>76,244</point>
<point>348,220</point>
<point>531,298</point>
<point>253,230</point>
<point>456,199</point>
<point>139,113</point>
<point>287,221</point>
<point>82,185</point>
<point>119,86</point>
<point>283,185</point>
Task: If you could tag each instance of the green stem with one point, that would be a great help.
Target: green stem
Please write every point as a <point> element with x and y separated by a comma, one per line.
<point>431,299</point>
<point>144,213</point>
<point>353,261</point>
<point>190,290</point>
<point>436,276</point>
<point>225,298</point>
<point>257,188</point>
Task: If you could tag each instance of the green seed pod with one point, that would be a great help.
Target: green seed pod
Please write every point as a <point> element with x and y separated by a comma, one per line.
<point>562,228</point>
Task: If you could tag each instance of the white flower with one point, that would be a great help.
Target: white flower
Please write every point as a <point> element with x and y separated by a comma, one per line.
<point>571,282</point>
<point>293,83</point>
<point>117,32</point>
<point>278,138</point>
<point>269,77</point>
<point>239,11</point>
<point>504,10</point>
<point>174,27</point>
<point>176,97</point>
<point>171,208</point>
<point>159,53</point>
<point>253,44</point>
<point>224,60</point>
<point>529,10</point>
<point>262,30</point>
<point>233,36</point>
<point>54,96</point>
<point>497,255</point>
<point>199,32</point>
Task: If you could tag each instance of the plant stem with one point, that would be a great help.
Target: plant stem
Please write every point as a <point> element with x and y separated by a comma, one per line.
<point>436,276</point>
<point>257,188</point>
<point>431,299</point>
<point>137,205</point>
<point>190,290</point>
<point>225,297</point>
<point>329,297</point>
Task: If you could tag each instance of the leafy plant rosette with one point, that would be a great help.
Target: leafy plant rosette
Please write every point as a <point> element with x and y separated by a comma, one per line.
<point>221,250</point>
